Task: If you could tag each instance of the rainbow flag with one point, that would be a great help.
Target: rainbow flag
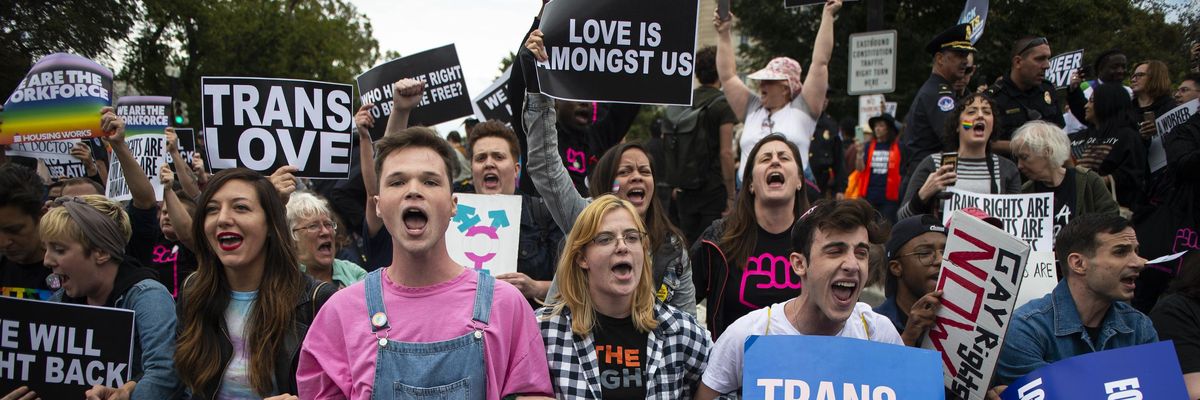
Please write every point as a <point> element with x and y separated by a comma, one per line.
<point>59,99</point>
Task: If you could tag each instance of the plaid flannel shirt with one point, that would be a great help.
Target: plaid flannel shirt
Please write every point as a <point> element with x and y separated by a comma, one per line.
<point>678,350</point>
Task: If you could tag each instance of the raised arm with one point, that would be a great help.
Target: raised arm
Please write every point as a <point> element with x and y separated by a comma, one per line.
<point>736,92</point>
<point>179,215</point>
<point>363,121</point>
<point>186,180</point>
<point>406,95</point>
<point>817,81</point>
<point>135,177</point>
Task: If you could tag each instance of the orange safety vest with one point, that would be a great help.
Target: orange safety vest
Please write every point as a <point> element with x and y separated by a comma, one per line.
<point>893,175</point>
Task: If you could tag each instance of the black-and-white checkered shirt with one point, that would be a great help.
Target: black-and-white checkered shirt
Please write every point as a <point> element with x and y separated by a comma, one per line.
<point>677,350</point>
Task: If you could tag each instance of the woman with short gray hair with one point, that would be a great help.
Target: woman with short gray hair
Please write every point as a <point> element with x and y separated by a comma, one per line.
<point>315,232</point>
<point>1042,150</point>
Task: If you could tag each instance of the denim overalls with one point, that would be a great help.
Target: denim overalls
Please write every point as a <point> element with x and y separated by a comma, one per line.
<point>450,369</point>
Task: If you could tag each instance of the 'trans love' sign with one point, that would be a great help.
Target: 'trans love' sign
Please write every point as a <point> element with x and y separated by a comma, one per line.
<point>263,124</point>
<point>624,51</point>
<point>60,350</point>
<point>59,99</point>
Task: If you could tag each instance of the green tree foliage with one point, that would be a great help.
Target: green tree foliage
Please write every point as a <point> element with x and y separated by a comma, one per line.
<point>31,29</point>
<point>1139,27</point>
<point>326,40</point>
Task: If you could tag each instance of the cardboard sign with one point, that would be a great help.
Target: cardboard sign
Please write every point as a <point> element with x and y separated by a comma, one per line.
<point>820,367</point>
<point>1148,371</point>
<point>870,105</point>
<point>1028,217</point>
<point>263,124</point>
<point>975,13</point>
<point>486,232</point>
<point>872,63</point>
<point>1039,279</point>
<point>798,3</point>
<point>493,103</point>
<point>623,51</point>
<point>1063,66</point>
<point>59,99</point>
<point>146,117</point>
<point>981,274</point>
<point>59,150</point>
<point>445,97</point>
<point>60,350</point>
<point>1165,123</point>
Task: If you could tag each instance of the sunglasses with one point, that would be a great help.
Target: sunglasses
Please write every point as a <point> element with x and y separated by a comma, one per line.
<point>1033,43</point>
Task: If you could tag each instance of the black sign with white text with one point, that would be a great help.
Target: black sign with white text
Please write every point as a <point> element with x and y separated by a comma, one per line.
<point>60,350</point>
<point>624,51</point>
<point>445,96</point>
<point>493,103</point>
<point>263,124</point>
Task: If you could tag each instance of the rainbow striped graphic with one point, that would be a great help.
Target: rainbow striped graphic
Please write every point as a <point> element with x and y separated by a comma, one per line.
<point>60,117</point>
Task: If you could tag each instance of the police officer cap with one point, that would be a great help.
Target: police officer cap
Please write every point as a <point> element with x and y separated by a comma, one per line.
<point>957,38</point>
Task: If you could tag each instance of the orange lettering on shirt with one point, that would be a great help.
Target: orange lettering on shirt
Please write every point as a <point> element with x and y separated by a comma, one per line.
<point>631,358</point>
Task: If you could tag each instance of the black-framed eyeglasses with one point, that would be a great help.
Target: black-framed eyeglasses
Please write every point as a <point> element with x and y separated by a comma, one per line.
<point>1137,75</point>
<point>927,257</point>
<point>1033,43</point>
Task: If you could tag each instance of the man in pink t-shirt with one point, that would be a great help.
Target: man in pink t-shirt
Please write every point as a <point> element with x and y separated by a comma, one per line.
<point>424,325</point>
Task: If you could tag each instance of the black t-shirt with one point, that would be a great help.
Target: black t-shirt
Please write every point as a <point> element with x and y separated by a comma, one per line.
<point>878,159</point>
<point>25,281</point>
<point>1177,318</point>
<point>764,279</point>
<point>1064,199</point>
<point>170,260</point>
<point>719,113</point>
<point>621,353</point>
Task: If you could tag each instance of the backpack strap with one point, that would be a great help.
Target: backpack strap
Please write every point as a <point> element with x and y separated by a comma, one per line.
<point>315,306</point>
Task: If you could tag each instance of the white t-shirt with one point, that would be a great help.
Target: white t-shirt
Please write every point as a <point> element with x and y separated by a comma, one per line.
<point>795,121</point>
<point>724,372</point>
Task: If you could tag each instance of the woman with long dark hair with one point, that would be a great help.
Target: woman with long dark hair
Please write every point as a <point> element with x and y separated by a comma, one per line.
<point>625,171</point>
<point>742,259</point>
<point>1111,145</point>
<point>977,169</point>
<point>245,311</point>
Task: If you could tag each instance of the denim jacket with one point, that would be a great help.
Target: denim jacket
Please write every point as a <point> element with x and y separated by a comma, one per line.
<point>552,181</point>
<point>1049,329</point>
<point>153,365</point>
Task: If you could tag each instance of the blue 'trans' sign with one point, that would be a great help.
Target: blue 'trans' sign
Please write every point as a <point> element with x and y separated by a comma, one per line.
<point>829,367</point>
<point>1149,371</point>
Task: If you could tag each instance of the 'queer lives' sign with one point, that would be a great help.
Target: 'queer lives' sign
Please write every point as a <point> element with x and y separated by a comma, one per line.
<point>263,124</point>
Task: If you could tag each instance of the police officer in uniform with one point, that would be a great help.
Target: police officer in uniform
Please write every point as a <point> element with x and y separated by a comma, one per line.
<point>1024,94</point>
<point>934,101</point>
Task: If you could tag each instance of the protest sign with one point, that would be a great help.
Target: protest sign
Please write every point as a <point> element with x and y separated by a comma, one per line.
<point>60,350</point>
<point>870,105</point>
<point>146,118</point>
<point>1028,217</point>
<point>974,13</point>
<point>486,232</point>
<point>59,150</point>
<point>1165,123</point>
<point>445,96</point>
<point>1148,371</point>
<point>493,103</point>
<point>263,124</point>
<point>872,63</point>
<point>798,3</point>
<point>187,145</point>
<point>981,273</point>
<point>1063,66</point>
<point>802,367</point>
<point>1039,279</point>
<point>59,99</point>
<point>623,51</point>
<point>64,169</point>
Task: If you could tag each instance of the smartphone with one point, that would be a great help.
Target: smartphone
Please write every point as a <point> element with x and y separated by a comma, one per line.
<point>1148,116</point>
<point>950,159</point>
<point>723,9</point>
<point>858,134</point>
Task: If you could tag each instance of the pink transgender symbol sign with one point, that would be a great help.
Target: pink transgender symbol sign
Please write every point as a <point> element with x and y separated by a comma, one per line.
<point>478,259</point>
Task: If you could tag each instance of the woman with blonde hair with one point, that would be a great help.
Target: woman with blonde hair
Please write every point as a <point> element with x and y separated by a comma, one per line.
<point>606,321</point>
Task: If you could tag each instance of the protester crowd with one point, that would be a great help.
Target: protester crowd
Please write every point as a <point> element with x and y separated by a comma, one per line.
<point>644,277</point>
